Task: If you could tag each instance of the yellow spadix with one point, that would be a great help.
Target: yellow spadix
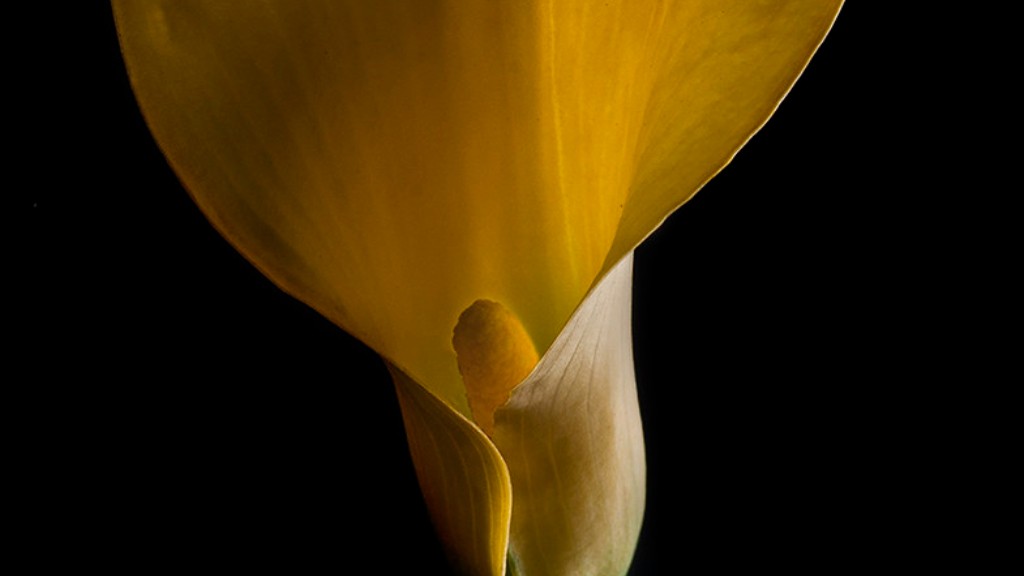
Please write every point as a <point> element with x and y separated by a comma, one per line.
<point>391,163</point>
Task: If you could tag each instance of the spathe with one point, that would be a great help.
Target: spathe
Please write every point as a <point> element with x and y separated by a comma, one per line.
<point>391,163</point>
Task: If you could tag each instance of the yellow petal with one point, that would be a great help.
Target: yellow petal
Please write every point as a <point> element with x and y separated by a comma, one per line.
<point>389,163</point>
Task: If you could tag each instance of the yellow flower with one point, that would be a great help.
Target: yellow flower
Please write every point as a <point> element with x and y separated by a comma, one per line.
<point>461,184</point>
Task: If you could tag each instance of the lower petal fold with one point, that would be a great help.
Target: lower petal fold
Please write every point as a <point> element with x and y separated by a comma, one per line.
<point>463,478</point>
<point>573,442</point>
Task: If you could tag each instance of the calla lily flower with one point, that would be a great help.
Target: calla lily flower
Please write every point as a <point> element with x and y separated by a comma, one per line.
<point>461,185</point>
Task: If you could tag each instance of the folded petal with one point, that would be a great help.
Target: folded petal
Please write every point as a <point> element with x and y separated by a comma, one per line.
<point>463,478</point>
<point>572,438</point>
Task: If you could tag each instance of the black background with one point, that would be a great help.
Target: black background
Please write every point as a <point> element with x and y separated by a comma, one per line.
<point>174,409</point>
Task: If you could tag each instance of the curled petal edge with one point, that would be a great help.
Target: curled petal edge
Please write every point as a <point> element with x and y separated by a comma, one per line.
<point>464,480</point>
<point>572,438</point>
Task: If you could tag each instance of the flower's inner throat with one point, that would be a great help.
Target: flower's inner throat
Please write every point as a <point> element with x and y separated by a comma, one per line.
<point>495,353</point>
